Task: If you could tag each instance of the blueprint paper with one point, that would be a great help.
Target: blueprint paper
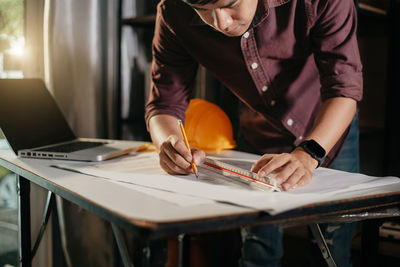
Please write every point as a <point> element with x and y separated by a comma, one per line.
<point>143,171</point>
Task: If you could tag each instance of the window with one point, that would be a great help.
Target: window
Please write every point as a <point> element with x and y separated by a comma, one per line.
<point>11,38</point>
<point>11,62</point>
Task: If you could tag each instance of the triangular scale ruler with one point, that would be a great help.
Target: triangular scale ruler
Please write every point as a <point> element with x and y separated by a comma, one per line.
<point>241,175</point>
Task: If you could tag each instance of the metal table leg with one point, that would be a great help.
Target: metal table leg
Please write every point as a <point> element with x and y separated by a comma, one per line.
<point>45,219</point>
<point>182,250</point>
<point>122,247</point>
<point>26,254</point>
<point>24,222</point>
<point>319,238</point>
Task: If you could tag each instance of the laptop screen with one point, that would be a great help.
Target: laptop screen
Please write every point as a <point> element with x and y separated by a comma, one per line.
<point>29,116</point>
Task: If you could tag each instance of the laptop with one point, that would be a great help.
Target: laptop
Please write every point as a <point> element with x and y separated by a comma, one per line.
<point>34,126</point>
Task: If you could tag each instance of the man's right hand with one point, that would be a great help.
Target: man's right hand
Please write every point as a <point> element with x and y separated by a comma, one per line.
<point>175,157</point>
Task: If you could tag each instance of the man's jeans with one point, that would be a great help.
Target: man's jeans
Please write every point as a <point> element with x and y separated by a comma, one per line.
<point>262,245</point>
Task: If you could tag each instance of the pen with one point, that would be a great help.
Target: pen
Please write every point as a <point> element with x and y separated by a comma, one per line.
<point>194,167</point>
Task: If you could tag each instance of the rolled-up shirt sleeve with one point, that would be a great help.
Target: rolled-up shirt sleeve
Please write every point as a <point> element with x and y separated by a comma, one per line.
<point>173,73</point>
<point>335,48</point>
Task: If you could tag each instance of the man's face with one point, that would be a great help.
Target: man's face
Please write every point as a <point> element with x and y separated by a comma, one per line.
<point>230,17</point>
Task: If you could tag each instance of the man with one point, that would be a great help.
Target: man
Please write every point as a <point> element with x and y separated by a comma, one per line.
<point>295,66</point>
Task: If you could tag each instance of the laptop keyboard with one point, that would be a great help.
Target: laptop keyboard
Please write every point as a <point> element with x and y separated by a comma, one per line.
<point>71,147</point>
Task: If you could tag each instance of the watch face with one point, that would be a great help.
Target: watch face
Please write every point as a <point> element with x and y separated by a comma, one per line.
<point>318,150</point>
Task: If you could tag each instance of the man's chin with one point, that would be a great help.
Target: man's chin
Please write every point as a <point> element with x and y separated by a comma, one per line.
<point>239,31</point>
<point>233,33</point>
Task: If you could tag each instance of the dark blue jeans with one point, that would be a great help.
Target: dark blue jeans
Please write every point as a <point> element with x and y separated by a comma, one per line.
<point>262,245</point>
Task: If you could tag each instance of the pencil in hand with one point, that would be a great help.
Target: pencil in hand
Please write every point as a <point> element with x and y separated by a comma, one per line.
<point>194,167</point>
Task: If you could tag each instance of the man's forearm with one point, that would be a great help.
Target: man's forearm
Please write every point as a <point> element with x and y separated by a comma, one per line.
<point>161,127</point>
<point>332,120</point>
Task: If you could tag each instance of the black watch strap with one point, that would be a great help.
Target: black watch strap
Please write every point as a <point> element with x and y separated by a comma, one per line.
<point>314,149</point>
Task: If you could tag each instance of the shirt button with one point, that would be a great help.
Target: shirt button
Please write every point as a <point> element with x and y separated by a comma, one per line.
<point>272,103</point>
<point>289,122</point>
<point>264,88</point>
<point>254,66</point>
<point>246,35</point>
<point>300,137</point>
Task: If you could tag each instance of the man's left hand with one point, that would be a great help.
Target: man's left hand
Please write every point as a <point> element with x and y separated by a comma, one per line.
<point>293,170</point>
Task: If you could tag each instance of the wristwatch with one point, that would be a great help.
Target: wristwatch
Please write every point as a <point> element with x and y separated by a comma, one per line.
<point>314,149</point>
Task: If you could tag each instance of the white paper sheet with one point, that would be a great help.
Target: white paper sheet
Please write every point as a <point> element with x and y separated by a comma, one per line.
<point>142,169</point>
<point>172,197</point>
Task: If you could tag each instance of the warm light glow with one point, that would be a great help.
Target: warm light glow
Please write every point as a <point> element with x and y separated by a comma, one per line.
<point>17,46</point>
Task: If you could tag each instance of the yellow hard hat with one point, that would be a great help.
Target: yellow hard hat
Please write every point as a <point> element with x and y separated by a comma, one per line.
<point>208,127</point>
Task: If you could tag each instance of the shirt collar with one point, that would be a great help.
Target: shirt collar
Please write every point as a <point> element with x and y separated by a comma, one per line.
<point>197,21</point>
